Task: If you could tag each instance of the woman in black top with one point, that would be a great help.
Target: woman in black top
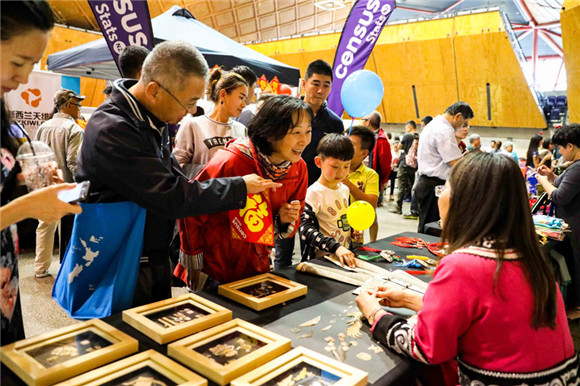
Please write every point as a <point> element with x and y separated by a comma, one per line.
<point>564,191</point>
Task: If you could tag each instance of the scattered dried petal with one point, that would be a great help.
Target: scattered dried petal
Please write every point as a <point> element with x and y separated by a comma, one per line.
<point>311,322</point>
<point>364,356</point>
<point>327,328</point>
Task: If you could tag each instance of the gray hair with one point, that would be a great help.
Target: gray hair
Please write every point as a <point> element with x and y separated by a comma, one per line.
<point>507,144</point>
<point>375,119</point>
<point>473,137</point>
<point>172,63</point>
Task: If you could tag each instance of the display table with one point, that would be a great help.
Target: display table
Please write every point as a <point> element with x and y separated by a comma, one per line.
<point>320,290</point>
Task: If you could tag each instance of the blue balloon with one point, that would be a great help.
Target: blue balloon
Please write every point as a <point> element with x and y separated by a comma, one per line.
<point>361,93</point>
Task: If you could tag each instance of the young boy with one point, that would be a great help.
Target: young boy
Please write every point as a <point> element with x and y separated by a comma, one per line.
<point>363,182</point>
<point>324,228</point>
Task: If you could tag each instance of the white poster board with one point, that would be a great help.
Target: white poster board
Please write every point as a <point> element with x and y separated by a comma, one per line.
<point>32,103</point>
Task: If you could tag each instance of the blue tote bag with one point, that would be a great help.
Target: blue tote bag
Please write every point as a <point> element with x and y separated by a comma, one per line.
<point>99,270</point>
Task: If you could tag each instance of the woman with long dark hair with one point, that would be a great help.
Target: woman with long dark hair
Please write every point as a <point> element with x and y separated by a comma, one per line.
<point>533,147</point>
<point>564,191</point>
<point>493,303</point>
<point>25,27</point>
<point>277,136</point>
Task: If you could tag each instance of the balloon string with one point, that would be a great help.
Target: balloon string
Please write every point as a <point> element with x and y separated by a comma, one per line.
<point>349,130</point>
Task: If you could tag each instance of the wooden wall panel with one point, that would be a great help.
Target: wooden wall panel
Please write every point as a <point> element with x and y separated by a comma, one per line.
<point>447,60</point>
<point>487,57</point>
<point>570,19</point>
<point>428,65</point>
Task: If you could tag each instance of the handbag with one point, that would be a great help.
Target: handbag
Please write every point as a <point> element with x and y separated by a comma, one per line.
<point>99,271</point>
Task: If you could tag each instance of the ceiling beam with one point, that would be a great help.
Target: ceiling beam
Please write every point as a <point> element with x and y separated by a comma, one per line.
<point>550,42</point>
<point>415,9</point>
<point>452,6</point>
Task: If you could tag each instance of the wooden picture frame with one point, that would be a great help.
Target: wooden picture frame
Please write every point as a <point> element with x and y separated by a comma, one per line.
<point>53,357</point>
<point>142,365</point>
<point>242,291</point>
<point>239,346</point>
<point>305,364</point>
<point>172,319</point>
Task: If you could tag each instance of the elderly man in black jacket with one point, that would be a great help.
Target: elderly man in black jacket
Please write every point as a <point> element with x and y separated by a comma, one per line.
<point>127,157</point>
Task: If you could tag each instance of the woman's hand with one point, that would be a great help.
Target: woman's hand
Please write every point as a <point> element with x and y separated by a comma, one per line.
<point>42,204</point>
<point>290,213</point>
<point>367,303</point>
<point>45,205</point>
<point>257,184</point>
<point>546,171</point>
<point>345,256</point>
<point>390,297</point>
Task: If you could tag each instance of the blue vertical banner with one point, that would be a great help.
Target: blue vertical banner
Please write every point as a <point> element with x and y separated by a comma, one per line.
<point>123,23</point>
<point>359,35</point>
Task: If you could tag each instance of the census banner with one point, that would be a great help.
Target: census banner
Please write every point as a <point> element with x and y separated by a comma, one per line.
<point>123,23</point>
<point>32,103</point>
<point>359,35</point>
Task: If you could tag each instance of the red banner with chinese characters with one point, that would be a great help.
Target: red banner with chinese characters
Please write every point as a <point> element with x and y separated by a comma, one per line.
<point>254,223</point>
<point>275,83</point>
<point>263,82</point>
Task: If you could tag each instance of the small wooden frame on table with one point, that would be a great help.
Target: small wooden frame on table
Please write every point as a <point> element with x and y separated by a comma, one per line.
<point>171,319</point>
<point>146,368</point>
<point>58,355</point>
<point>262,291</point>
<point>227,351</point>
<point>305,367</point>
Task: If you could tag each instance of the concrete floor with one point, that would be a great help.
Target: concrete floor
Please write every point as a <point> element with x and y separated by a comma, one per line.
<point>42,314</point>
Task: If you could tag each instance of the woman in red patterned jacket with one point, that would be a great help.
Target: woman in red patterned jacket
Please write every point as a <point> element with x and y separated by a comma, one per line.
<point>233,245</point>
<point>493,303</point>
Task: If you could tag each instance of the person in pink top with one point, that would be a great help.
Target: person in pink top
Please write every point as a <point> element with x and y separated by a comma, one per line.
<point>493,303</point>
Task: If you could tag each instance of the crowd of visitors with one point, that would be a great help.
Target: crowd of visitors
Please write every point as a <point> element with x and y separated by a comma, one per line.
<point>230,185</point>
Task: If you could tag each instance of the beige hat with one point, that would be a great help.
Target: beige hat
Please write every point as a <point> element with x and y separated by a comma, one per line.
<point>63,95</point>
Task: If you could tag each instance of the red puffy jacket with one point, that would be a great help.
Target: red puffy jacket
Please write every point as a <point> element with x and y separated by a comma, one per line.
<point>226,259</point>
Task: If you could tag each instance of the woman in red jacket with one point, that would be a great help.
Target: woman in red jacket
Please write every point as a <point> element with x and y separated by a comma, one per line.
<point>233,245</point>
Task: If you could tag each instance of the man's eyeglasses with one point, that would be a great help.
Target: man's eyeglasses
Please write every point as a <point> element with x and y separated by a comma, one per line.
<point>187,107</point>
<point>76,104</point>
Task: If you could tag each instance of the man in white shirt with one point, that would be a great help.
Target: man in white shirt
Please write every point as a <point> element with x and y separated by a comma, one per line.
<point>437,153</point>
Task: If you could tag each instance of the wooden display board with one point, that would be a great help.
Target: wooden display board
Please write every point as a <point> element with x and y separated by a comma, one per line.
<point>171,319</point>
<point>229,350</point>
<point>262,291</point>
<point>146,368</point>
<point>303,366</point>
<point>58,355</point>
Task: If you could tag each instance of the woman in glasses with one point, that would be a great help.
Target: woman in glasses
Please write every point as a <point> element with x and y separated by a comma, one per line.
<point>233,245</point>
<point>199,138</point>
<point>493,303</point>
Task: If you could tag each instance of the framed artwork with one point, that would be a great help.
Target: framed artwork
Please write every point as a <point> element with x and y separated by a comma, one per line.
<point>262,291</point>
<point>147,368</point>
<point>171,319</point>
<point>226,351</point>
<point>305,367</point>
<point>58,355</point>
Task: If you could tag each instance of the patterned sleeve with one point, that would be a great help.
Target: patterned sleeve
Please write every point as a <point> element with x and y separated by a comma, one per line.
<point>398,334</point>
<point>310,234</point>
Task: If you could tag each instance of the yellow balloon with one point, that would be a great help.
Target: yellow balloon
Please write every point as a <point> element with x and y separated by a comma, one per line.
<point>360,215</point>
